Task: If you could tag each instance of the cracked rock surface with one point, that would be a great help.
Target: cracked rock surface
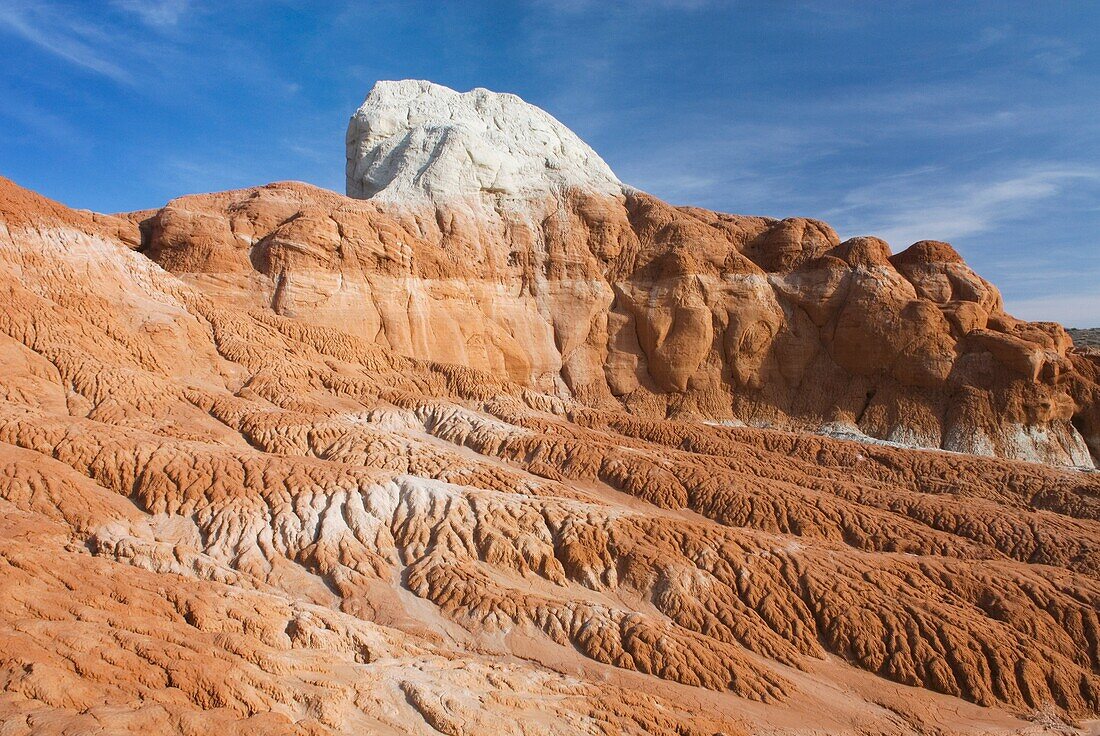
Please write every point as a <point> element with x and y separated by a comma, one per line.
<point>228,511</point>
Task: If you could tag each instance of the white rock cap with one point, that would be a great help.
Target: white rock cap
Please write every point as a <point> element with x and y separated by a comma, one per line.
<point>414,141</point>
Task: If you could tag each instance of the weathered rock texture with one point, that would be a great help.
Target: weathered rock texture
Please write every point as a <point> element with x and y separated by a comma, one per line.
<point>495,239</point>
<point>1085,338</point>
<point>239,502</point>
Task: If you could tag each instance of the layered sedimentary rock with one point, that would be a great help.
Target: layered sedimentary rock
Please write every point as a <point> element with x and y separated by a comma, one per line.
<point>466,453</point>
<point>492,237</point>
<point>224,514</point>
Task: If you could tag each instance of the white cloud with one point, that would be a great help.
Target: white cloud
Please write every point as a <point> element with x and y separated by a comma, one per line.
<point>921,205</point>
<point>1052,55</point>
<point>583,6</point>
<point>1048,54</point>
<point>1071,310</point>
<point>63,35</point>
<point>989,37</point>
<point>35,120</point>
<point>92,39</point>
<point>156,13</point>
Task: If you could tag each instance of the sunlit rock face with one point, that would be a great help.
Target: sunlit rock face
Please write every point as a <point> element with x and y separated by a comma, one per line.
<point>233,499</point>
<point>577,284</point>
<point>465,452</point>
<point>413,140</point>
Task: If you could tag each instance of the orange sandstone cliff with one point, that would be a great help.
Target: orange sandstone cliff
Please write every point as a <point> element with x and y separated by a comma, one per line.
<point>452,459</point>
<point>582,287</point>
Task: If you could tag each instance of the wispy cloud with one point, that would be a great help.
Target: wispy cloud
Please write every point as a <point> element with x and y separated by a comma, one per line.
<point>989,37</point>
<point>740,166</point>
<point>1052,55</point>
<point>920,204</point>
<point>65,35</point>
<point>584,6</point>
<point>190,173</point>
<point>1048,54</point>
<point>36,120</point>
<point>930,108</point>
<point>1072,310</point>
<point>155,13</point>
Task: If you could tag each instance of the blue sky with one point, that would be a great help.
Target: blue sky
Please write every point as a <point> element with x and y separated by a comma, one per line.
<point>976,123</point>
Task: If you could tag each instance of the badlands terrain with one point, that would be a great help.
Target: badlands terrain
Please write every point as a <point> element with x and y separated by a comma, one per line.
<point>1085,337</point>
<point>498,444</point>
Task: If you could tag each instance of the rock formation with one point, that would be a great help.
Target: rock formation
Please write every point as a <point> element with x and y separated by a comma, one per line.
<point>495,239</point>
<point>415,142</point>
<point>1085,338</point>
<point>283,461</point>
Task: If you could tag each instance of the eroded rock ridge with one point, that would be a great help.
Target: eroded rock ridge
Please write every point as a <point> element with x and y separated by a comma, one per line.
<point>492,237</point>
<point>282,461</point>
